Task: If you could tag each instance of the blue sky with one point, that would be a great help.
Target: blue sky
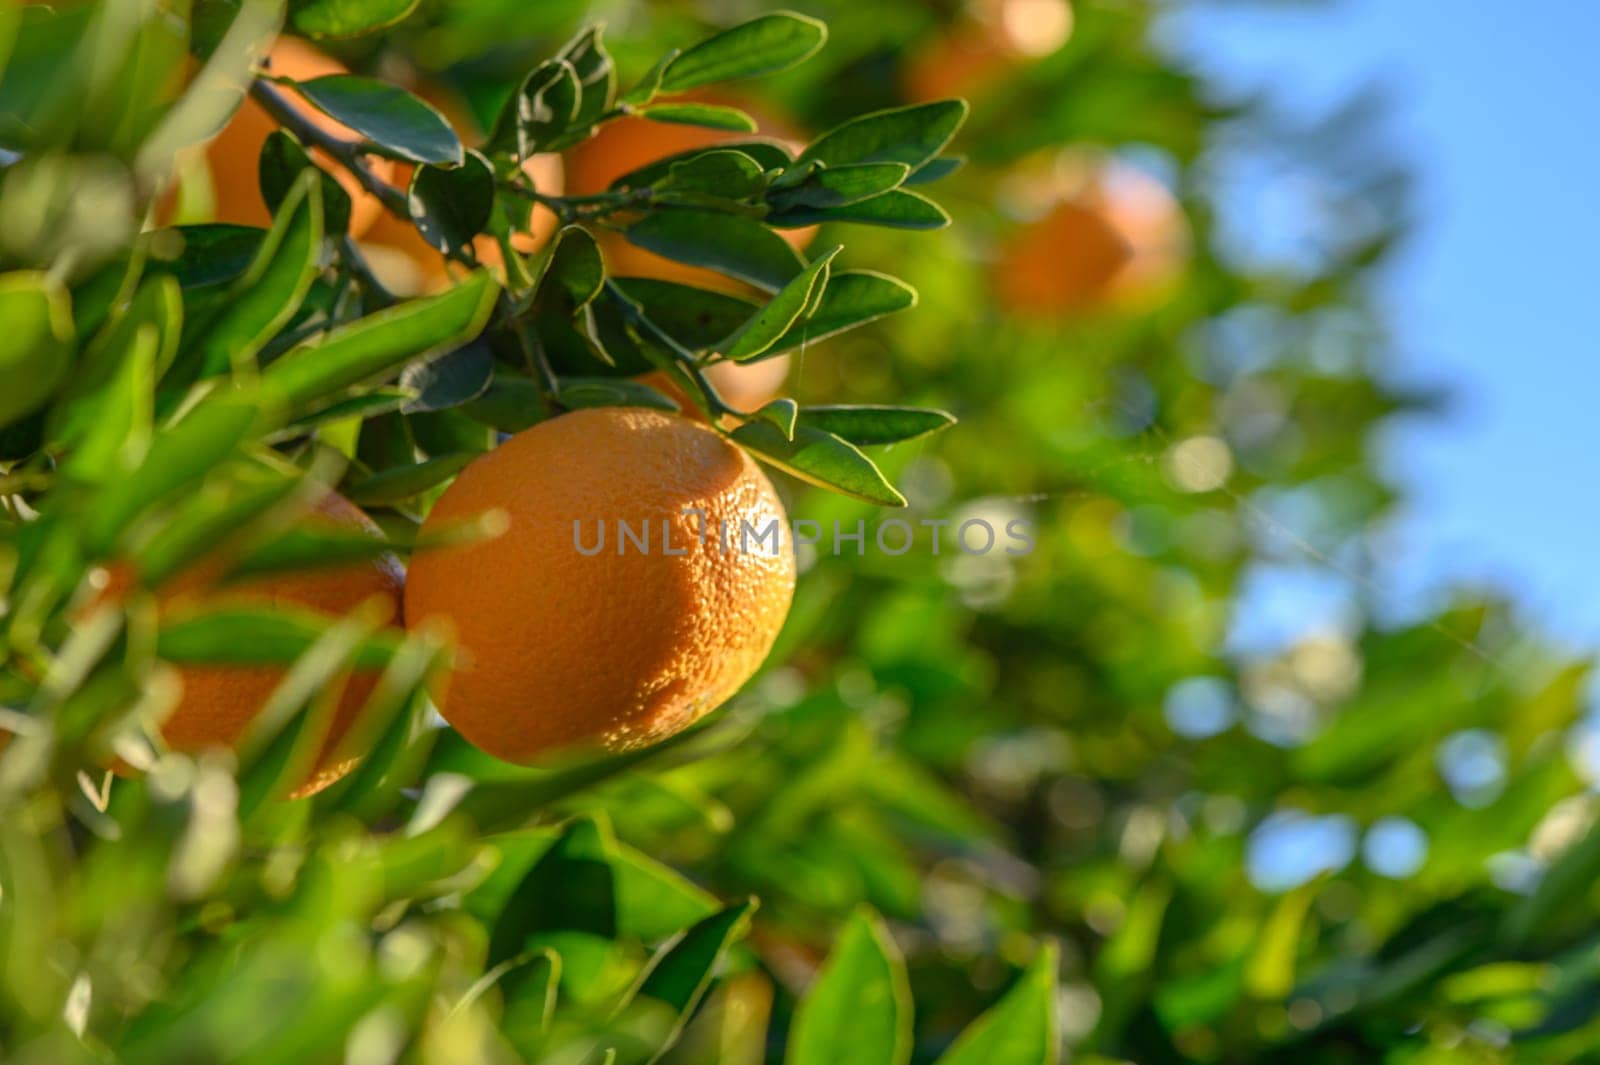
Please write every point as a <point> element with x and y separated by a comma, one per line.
<point>1494,295</point>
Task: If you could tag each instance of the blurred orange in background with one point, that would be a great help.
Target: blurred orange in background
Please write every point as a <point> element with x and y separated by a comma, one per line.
<point>990,40</point>
<point>1103,234</point>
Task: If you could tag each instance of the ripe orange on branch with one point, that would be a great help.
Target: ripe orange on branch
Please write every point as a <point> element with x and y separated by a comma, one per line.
<point>618,647</point>
<point>218,702</point>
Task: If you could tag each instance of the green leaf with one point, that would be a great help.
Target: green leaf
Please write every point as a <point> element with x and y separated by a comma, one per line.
<point>858,1012</point>
<point>96,414</point>
<point>178,457</point>
<point>451,206</point>
<point>570,887</point>
<point>575,265</point>
<point>682,970</point>
<point>695,317</point>
<point>895,209</point>
<point>542,109</point>
<point>282,161</point>
<point>865,426</point>
<point>838,186</point>
<point>768,154</point>
<point>739,247</point>
<point>450,380</point>
<point>784,413</point>
<point>578,392</point>
<point>269,635</point>
<point>400,125</point>
<point>1021,1028</point>
<point>346,18</point>
<point>596,76</point>
<point>264,300</point>
<point>820,458</point>
<point>935,169</point>
<point>650,84</point>
<point>37,343</point>
<point>764,45</point>
<point>510,404</point>
<point>212,253</point>
<point>308,547</point>
<point>375,345</point>
<point>711,116</point>
<point>910,135</point>
<point>396,485</point>
<point>764,328</point>
<point>730,174</point>
<point>852,298</point>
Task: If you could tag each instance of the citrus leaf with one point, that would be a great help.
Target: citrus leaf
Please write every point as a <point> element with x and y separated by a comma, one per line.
<point>852,298</point>
<point>858,1011</point>
<point>820,458</point>
<point>682,970</point>
<point>739,247</point>
<point>450,380</point>
<point>577,392</point>
<point>711,116</point>
<point>262,636</point>
<point>510,404</point>
<point>764,328</point>
<point>596,76</point>
<point>398,124</point>
<point>212,253</point>
<point>768,154</point>
<point>764,45</point>
<point>864,426</point>
<point>399,483</point>
<point>306,548</point>
<point>575,265</point>
<point>895,209</point>
<point>729,174</point>
<point>282,161</point>
<point>841,185</point>
<point>36,348</point>
<point>346,18</point>
<point>261,302</point>
<point>910,135</point>
<point>543,108</point>
<point>649,85</point>
<point>451,206</point>
<point>695,317</point>
<point>375,345</point>
<point>783,413</point>
<point>935,169</point>
<point>1021,1028</point>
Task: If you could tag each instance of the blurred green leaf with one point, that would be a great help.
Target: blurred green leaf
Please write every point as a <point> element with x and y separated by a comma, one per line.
<point>578,392</point>
<point>346,18</point>
<point>375,345</point>
<point>858,1010</point>
<point>1021,1028</point>
<point>268,635</point>
<point>37,348</point>
<point>399,483</point>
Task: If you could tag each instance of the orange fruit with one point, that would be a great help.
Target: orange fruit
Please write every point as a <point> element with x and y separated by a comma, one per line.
<point>560,644</point>
<point>233,153</point>
<point>408,265</point>
<point>218,702</point>
<point>1111,236</point>
<point>994,38</point>
<point>626,144</point>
